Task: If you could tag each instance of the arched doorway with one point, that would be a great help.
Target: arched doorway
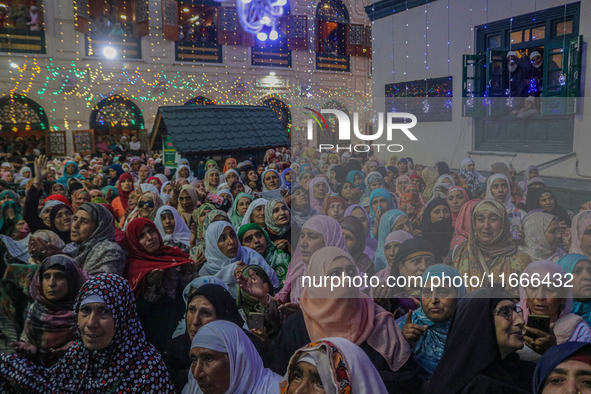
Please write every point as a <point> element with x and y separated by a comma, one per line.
<point>282,111</point>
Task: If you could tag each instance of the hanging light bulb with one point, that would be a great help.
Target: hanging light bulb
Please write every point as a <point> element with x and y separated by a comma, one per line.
<point>273,35</point>
<point>262,36</point>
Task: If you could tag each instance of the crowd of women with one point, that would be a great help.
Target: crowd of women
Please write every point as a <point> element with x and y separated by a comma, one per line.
<point>121,275</point>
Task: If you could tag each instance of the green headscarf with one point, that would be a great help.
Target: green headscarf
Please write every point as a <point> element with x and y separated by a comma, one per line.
<point>235,217</point>
<point>245,301</point>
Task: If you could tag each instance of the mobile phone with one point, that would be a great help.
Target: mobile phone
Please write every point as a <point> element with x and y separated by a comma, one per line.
<point>539,322</point>
<point>256,320</point>
<point>515,221</point>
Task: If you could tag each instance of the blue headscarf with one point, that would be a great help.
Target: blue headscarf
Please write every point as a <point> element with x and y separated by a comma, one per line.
<point>552,358</point>
<point>119,170</point>
<point>387,221</point>
<point>351,179</point>
<point>379,193</point>
<point>283,173</point>
<point>429,348</point>
<point>568,263</point>
<point>65,178</point>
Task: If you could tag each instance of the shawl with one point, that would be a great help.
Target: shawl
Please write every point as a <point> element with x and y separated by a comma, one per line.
<point>99,253</point>
<point>210,188</point>
<point>284,180</point>
<point>532,202</point>
<point>566,323</point>
<point>351,175</point>
<point>154,178</point>
<point>196,218</point>
<point>443,184</point>
<point>430,176</point>
<point>463,223</point>
<point>221,266</point>
<point>129,363</point>
<point>333,236</point>
<point>568,263</point>
<point>428,350</point>
<point>77,195</point>
<point>119,171</point>
<point>398,236</point>
<point>474,181</point>
<point>140,262</point>
<point>247,374</point>
<point>7,225</point>
<point>535,245</point>
<point>471,256</point>
<point>581,222</point>
<point>342,365</point>
<point>191,176</point>
<point>411,202</point>
<point>194,197</point>
<point>349,313</point>
<point>256,203</point>
<point>124,196</point>
<point>316,204</point>
<point>300,216</point>
<point>454,216</point>
<point>525,181</point>
<point>277,259</point>
<point>181,233</point>
<point>370,242</point>
<point>65,177</point>
<point>439,233</point>
<point>355,227</point>
<point>245,301</point>
<point>507,203</point>
<point>379,192</point>
<point>265,189</point>
<point>372,178</point>
<point>553,357</point>
<point>387,222</point>
<point>270,222</point>
<point>235,217</point>
<point>49,324</point>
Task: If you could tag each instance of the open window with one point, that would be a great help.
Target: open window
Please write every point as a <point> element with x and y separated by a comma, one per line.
<point>21,26</point>
<point>197,31</point>
<point>332,30</point>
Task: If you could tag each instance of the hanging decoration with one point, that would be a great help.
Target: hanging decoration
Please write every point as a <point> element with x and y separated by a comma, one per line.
<point>260,17</point>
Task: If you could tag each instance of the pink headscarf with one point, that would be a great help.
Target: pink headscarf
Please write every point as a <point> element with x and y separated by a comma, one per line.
<point>347,312</point>
<point>581,221</point>
<point>463,223</point>
<point>453,217</point>
<point>332,233</point>
<point>316,204</point>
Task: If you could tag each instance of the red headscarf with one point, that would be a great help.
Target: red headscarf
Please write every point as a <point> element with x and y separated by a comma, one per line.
<point>58,197</point>
<point>124,196</point>
<point>140,262</point>
<point>157,180</point>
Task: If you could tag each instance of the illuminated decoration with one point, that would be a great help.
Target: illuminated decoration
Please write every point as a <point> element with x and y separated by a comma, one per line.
<point>260,16</point>
<point>109,52</point>
<point>430,100</point>
<point>281,110</point>
<point>19,113</point>
<point>200,100</point>
<point>116,112</point>
<point>22,28</point>
<point>332,19</point>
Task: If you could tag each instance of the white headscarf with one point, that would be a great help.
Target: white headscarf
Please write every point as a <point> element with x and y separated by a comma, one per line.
<point>535,245</point>
<point>507,203</point>
<point>247,374</point>
<point>181,233</point>
<point>221,266</point>
<point>189,178</point>
<point>256,203</point>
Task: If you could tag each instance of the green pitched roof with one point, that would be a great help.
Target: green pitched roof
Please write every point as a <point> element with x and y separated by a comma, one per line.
<point>218,128</point>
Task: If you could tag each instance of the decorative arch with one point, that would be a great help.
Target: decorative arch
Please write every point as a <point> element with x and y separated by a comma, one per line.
<point>116,112</point>
<point>332,11</point>
<point>200,100</point>
<point>332,25</point>
<point>20,113</point>
<point>281,110</point>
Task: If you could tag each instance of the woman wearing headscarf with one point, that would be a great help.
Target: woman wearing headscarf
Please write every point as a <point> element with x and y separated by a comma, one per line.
<point>319,189</point>
<point>373,180</point>
<point>211,180</point>
<point>380,202</point>
<point>184,172</point>
<point>355,235</point>
<point>489,248</point>
<point>391,246</point>
<point>430,176</point>
<point>579,266</point>
<point>70,171</point>
<point>502,168</point>
<point>120,359</point>
<point>392,220</point>
<point>240,369</point>
<point>187,202</point>
<point>529,173</point>
<point>278,223</point>
<point>125,188</point>
<point>356,178</point>
<point>581,234</point>
<point>255,212</point>
<point>360,213</point>
<point>499,189</point>
<point>341,365</point>
<point>172,228</point>
<point>436,226</point>
<point>489,321</point>
<point>223,252</point>
<point>271,180</point>
<point>456,198</point>
<point>10,215</point>
<point>156,182</point>
<point>239,208</point>
<point>541,237</point>
<point>463,223</point>
<point>554,301</point>
<point>546,200</point>
<point>338,176</point>
<point>412,203</point>
<point>156,273</point>
<point>148,204</point>
<point>50,326</point>
<point>426,328</point>
<point>256,238</point>
<point>470,176</point>
<point>575,358</point>
<point>93,241</point>
<point>300,206</point>
<point>348,313</point>
<point>198,218</point>
<point>115,171</point>
<point>317,232</point>
<point>79,197</point>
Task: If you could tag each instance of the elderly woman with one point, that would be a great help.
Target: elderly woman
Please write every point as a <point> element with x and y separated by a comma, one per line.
<point>314,367</point>
<point>111,354</point>
<point>489,321</point>
<point>172,228</point>
<point>271,180</point>
<point>553,301</point>
<point>256,238</point>
<point>156,272</point>
<point>319,190</point>
<point>489,248</point>
<point>50,326</point>
<point>224,360</point>
<point>278,223</point>
<point>348,313</point>
<point>579,266</point>
<point>541,237</point>
<point>256,213</point>
<point>223,252</point>
<point>93,241</point>
<point>147,206</point>
<point>426,329</point>
<point>70,171</point>
<point>380,202</point>
<point>581,234</point>
<point>211,180</point>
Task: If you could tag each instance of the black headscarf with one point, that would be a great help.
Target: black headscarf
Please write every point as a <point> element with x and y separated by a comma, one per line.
<point>439,233</point>
<point>471,349</point>
<point>340,173</point>
<point>411,246</point>
<point>222,301</point>
<point>442,168</point>
<point>532,202</point>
